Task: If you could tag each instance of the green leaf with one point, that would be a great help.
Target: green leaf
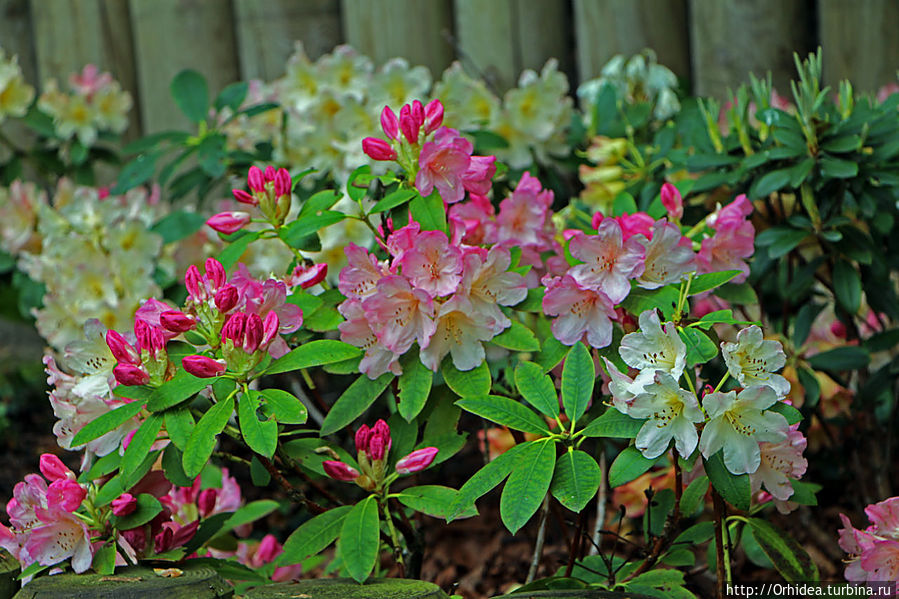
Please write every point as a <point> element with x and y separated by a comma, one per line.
<point>106,422</point>
<point>246,514</point>
<point>137,172</point>
<point>528,484</point>
<point>429,212</point>
<point>179,423</point>
<point>231,254</point>
<point>232,96</point>
<point>770,182</point>
<point>209,528</point>
<point>640,300</point>
<point>355,400</point>
<point>790,559</point>
<point>834,168</point>
<point>696,534</point>
<point>485,479</point>
<point>804,493</point>
<point>552,353</point>
<point>474,382</point>
<point>708,281</point>
<point>180,388</point>
<point>847,286</point>
<point>517,338</point>
<point>392,200</point>
<point>780,241</point>
<point>693,495</point>
<point>230,569</point>
<point>533,302</point>
<point>286,408</point>
<point>191,94</point>
<point>210,157</point>
<point>147,509</point>
<point>433,500</point>
<point>202,440</point>
<point>171,466</point>
<point>178,225</point>
<point>733,489</point>
<point>614,425</point>
<point>261,435</point>
<point>623,203</point>
<point>719,317</point>
<point>359,539</point>
<point>576,479</point>
<point>505,411</point>
<point>578,378</point>
<point>414,387</point>
<point>787,411</point>
<point>740,294</point>
<point>537,388</point>
<point>314,353</point>
<point>104,559</point>
<point>629,464</point>
<point>840,358</point>
<point>296,233</point>
<point>359,182</point>
<point>140,445</point>
<point>700,349</point>
<point>312,536</point>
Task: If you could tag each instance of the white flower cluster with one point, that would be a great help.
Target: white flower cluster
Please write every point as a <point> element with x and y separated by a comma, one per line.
<point>95,255</point>
<point>15,94</point>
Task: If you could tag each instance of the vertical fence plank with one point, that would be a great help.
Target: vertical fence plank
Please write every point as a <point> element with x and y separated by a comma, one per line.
<point>413,29</point>
<point>171,35</point>
<point>266,32</point>
<point>503,37</point>
<point>16,36</point>
<point>859,42</point>
<point>604,28</point>
<point>730,38</point>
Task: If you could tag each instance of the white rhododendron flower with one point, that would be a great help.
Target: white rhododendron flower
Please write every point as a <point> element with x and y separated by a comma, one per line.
<point>738,423</point>
<point>752,360</point>
<point>654,348</point>
<point>671,413</point>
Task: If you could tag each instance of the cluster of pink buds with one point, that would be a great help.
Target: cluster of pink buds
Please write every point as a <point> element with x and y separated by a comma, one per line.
<point>444,162</point>
<point>270,191</point>
<point>210,298</point>
<point>372,447</point>
<point>144,362</point>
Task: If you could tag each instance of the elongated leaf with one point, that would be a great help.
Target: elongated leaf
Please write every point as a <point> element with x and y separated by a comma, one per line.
<point>664,299</point>
<point>433,500</point>
<point>202,439</point>
<point>178,225</point>
<point>232,96</point>
<point>847,286</point>
<point>517,338</point>
<point>527,485</point>
<point>312,536</point>
<point>174,470</point>
<point>575,480</point>
<point>614,425</point>
<point>392,200</point>
<point>693,495</point>
<point>359,539</point>
<point>104,423</point>
<point>231,254</point>
<point>700,349</point>
<point>429,212</point>
<point>552,353</point>
<point>537,388</point>
<point>506,412</point>
<point>286,408</point>
<point>355,400</point>
<point>179,423</point>
<point>708,281</point>
<point>147,508</point>
<point>790,559</point>
<point>578,377</point>
<point>140,445</point>
<point>840,358</point>
<point>475,382</point>
<point>314,353</point>
<point>415,386</point>
<point>182,387</point>
<point>191,94</point>
<point>787,411</point>
<point>485,479</point>
<point>260,435</point>
<point>770,182</point>
<point>733,489</point>
<point>629,464</point>
<point>136,172</point>
<point>246,514</point>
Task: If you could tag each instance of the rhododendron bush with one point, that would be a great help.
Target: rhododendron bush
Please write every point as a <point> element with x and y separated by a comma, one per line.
<point>629,347</point>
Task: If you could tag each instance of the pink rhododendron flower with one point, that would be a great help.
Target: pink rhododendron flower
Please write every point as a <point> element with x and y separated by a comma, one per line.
<point>442,164</point>
<point>781,463</point>
<point>668,256</point>
<point>479,176</point>
<point>638,223</point>
<point>488,284</point>
<point>357,330</point>
<point>874,552</point>
<point>433,264</point>
<point>203,366</point>
<point>401,314</point>
<point>522,215</point>
<point>360,277</point>
<point>733,240</point>
<point>609,262</point>
<point>460,331</point>
<point>305,277</point>
<point>581,311</point>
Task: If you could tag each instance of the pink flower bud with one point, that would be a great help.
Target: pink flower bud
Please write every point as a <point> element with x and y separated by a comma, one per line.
<point>270,325</point>
<point>129,374</point>
<point>176,321</point>
<point>340,471</point>
<point>377,447</point>
<point>389,123</point>
<point>282,182</point>
<point>252,333</point>
<point>123,351</point>
<point>407,125</point>
<point>418,114</point>
<point>149,338</point>
<point>203,367</point>
<point>244,198</point>
<point>163,541</point>
<point>229,222</point>
<point>378,149</point>
<point>215,272</point>
<point>416,461</point>
<point>234,328</point>
<point>206,501</point>
<point>226,298</point>
<point>124,504</point>
<point>65,494</point>
<point>672,201</point>
<point>433,116</point>
<point>362,437</point>
<point>53,469</point>
<point>597,220</point>
<point>382,429</point>
<point>192,282</point>
<point>269,548</point>
<point>255,179</point>
<point>305,277</point>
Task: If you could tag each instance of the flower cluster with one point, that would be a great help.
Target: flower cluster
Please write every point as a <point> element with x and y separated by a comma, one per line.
<point>874,551</point>
<point>15,94</point>
<point>372,447</point>
<point>95,102</point>
<point>732,241</point>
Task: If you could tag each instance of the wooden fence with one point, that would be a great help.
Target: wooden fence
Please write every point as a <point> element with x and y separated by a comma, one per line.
<point>713,44</point>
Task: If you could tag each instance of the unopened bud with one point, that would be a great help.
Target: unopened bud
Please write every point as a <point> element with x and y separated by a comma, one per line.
<point>124,504</point>
<point>433,116</point>
<point>229,222</point>
<point>244,197</point>
<point>53,469</point>
<point>255,180</point>
<point>226,298</point>
<point>130,375</point>
<point>215,272</point>
<point>121,350</point>
<point>417,460</point>
<point>378,149</point>
<point>203,367</point>
<point>389,123</point>
<point>206,501</point>
<point>176,321</point>
<point>339,470</point>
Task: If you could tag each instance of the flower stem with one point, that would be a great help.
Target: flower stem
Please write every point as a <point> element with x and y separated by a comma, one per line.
<point>722,551</point>
<point>394,538</point>
<point>538,546</point>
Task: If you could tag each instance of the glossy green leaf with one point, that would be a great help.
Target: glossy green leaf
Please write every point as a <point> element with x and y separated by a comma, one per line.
<point>314,353</point>
<point>179,423</point>
<point>628,465</point>
<point>286,408</point>
<point>174,470</point>
<point>312,536</point>
<point>578,378</point>
<point>429,212</point>
<point>177,225</point>
<point>506,412</point>
<point>693,495</point>
<point>537,388</point>
<point>392,200</point>
<point>140,445</point>
<point>147,509</point>
<point>770,182</point>
<point>640,300</point>
<point>840,358</point>
<point>474,382</point>
<point>202,440</point>
<point>734,489</point>
<point>517,338</point>
<point>847,286</point>
<point>359,539</point>
<point>708,281</point>
<point>485,479</point>
<point>433,500</point>
<point>136,172</point>
<point>527,485</point>
<point>700,349</point>
<point>787,411</point>
<point>260,435</point>
<point>790,559</point>
<point>249,513</point>
<point>355,400</point>
<point>191,94</point>
<point>180,388</point>
<point>614,425</point>
<point>414,387</point>
<point>231,254</point>
<point>575,480</point>
<point>107,422</point>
